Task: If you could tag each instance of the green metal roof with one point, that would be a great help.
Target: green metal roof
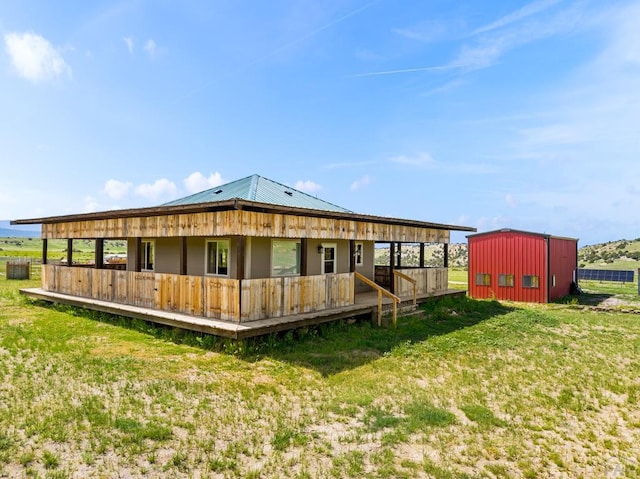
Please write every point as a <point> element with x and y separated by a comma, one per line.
<point>260,189</point>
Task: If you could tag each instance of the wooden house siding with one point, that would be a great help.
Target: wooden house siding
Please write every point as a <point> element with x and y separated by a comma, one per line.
<point>244,223</point>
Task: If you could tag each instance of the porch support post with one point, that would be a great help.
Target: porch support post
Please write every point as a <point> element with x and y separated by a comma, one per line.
<point>183,255</point>
<point>69,251</point>
<point>399,255</point>
<point>422,255</point>
<point>137,255</point>
<point>392,264</point>
<point>240,257</point>
<point>45,245</point>
<point>304,251</point>
<point>352,256</point>
<point>446,255</point>
<point>99,253</point>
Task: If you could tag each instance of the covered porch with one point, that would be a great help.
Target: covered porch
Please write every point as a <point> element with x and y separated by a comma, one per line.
<point>230,308</point>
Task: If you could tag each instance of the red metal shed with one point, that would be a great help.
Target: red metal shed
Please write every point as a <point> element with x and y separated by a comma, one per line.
<point>521,265</point>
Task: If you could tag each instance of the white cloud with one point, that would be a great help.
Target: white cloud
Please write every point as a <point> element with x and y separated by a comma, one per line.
<point>307,186</point>
<point>357,184</point>
<point>197,182</point>
<point>116,190</point>
<point>510,200</point>
<point>428,31</point>
<point>129,43</point>
<point>150,47</point>
<point>422,159</point>
<point>160,188</point>
<point>34,58</point>
<point>497,41</point>
<point>524,12</point>
<point>90,204</point>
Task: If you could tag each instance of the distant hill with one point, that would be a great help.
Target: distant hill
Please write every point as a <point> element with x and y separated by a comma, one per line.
<point>621,254</point>
<point>433,255</point>
<point>22,231</point>
<point>11,233</point>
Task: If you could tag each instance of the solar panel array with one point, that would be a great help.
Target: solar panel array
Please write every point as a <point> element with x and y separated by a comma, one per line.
<point>606,275</point>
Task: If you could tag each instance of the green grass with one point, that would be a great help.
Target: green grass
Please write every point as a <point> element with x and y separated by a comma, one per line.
<point>467,389</point>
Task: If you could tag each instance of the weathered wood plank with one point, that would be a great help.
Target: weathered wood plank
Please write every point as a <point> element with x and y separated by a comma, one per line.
<point>244,223</point>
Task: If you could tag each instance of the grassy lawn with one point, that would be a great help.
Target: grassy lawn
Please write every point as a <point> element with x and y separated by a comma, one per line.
<point>470,389</point>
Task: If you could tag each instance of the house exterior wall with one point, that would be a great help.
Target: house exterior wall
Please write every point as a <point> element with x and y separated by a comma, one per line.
<point>563,262</point>
<point>367,269</point>
<point>508,253</point>
<point>196,256</point>
<point>167,255</point>
<point>260,257</point>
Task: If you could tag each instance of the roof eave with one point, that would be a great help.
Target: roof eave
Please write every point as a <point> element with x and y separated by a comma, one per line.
<point>236,204</point>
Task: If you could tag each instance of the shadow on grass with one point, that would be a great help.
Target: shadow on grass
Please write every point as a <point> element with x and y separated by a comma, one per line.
<point>327,348</point>
<point>585,299</point>
<point>336,347</point>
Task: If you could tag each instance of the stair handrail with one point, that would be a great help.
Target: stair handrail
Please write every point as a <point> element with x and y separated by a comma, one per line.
<point>412,281</point>
<point>395,299</point>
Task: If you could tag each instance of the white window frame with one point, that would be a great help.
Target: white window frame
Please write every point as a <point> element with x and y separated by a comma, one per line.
<point>146,246</point>
<point>206,256</point>
<point>299,259</point>
<point>359,253</point>
<point>335,257</point>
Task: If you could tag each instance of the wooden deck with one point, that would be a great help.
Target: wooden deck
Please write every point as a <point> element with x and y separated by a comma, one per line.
<point>365,305</point>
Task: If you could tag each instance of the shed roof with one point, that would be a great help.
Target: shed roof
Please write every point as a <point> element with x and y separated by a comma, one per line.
<point>259,189</point>
<point>530,233</point>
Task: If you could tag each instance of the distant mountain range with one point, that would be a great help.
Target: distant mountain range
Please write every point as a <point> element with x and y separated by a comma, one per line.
<point>22,231</point>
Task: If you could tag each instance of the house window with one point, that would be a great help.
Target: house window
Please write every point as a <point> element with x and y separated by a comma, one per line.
<point>328,258</point>
<point>217,257</point>
<point>148,255</point>
<point>505,280</point>
<point>483,279</point>
<point>359,254</point>
<point>285,257</point>
<point>530,281</point>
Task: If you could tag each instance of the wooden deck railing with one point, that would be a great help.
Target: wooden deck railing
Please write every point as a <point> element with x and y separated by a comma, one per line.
<point>206,296</point>
<point>289,295</point>
<point>381,291</point>
<point>399,274</point>
<point>210,297</point>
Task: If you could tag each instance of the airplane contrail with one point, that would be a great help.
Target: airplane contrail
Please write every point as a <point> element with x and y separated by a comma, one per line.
<point>411,70</point>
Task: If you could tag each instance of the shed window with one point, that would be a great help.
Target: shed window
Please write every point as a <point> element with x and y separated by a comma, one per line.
<point>530,281</point>
<point>359,254</point>
<point>218,257</point>
<point>505,280</point>
<point>148,255</point>
<point>483,279</point>
<point>285,257</point>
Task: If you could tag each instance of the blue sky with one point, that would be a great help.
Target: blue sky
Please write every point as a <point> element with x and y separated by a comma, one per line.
<point>508,114</point>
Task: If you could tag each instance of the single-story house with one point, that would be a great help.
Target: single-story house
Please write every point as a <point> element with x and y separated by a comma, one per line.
<point>241,259</point>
